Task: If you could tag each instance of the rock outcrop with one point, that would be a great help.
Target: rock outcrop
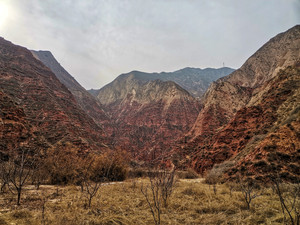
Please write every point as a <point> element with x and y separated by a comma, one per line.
<point>270,140</point>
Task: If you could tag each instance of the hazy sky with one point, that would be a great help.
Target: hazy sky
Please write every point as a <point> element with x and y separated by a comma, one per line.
<point>96,40</point>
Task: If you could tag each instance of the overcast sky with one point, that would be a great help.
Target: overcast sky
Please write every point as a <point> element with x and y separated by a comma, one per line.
<point>96,40</point>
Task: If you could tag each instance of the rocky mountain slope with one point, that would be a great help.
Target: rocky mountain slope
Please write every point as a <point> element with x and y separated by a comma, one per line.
<point>149,115</point>
<point>16,133</point>
<point>194,80</point>
<point>243,110</point>
<point>274,140</point>
<point>227,95</point>
<point>42,101</point>
<point>87,102</point>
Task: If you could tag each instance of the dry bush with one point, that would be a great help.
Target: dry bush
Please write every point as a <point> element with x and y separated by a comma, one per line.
<point>111,166</point>
<point>213,177</point>
<point>154,199</point>
<point>187,174</point>
<point>167,182</point>
<point>62,164</point>
<point>65,165</point>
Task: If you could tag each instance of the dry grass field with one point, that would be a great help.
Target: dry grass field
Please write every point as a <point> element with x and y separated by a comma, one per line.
<point>192,202</point>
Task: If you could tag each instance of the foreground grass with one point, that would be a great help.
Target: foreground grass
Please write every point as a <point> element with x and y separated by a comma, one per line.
<point>192,202</point>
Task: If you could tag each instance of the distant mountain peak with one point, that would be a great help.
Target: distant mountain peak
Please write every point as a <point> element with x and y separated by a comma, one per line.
<point>194,80</point>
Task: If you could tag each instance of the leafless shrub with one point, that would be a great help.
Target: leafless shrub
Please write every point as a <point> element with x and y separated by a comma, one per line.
<point>158,193</point>
<point>153,198</point>
<point>61,164</point>
<point>231,186</point>
<point>91,188</point>
<point>167,181</point>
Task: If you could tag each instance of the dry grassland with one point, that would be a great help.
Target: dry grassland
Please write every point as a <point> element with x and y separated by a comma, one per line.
<point>192,202</point>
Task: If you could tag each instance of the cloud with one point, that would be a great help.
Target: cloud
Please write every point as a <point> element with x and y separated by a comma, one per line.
<point>96,40</point>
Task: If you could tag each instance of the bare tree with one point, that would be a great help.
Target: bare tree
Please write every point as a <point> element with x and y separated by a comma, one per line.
<point>17,170</point>
<point>249,190</point>
<point>91,189</point>
<point>289,200</point>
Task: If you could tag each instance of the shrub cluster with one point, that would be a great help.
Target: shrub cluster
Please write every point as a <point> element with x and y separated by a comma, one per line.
<point>66,166</point>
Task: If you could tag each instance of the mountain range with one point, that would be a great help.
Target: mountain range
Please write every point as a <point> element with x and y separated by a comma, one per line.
<point>194,80</point>
<point>243,121</point>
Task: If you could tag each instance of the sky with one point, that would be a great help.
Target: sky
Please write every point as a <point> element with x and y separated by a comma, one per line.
<point>97,40</point>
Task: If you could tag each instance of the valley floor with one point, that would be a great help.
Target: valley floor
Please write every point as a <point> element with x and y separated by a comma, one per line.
<point>193,202</point>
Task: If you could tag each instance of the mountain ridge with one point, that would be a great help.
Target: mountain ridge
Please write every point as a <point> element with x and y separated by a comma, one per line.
<point>194,80</point>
